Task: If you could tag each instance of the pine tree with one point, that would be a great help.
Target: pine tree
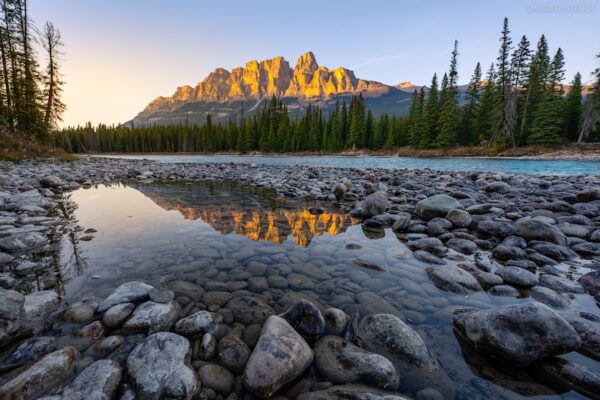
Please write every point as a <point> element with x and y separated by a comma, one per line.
<point>535,87</point>
<point>469,126</point>
<point>592,108</point>
<point>573,109</point>
<point>487,116</point>
<point>450,112</point>
<point>432,110</point>
<point>52,80</point>
<point>547,124</point>
<point>505,89</point>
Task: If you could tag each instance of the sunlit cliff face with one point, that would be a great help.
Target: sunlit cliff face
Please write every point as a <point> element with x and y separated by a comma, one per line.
<point>273,226</point>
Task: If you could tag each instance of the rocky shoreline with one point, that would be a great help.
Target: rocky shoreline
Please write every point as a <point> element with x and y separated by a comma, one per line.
<point>535,237</point>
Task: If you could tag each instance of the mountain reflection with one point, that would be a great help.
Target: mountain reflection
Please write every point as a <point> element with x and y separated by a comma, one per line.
<point>254,213</point>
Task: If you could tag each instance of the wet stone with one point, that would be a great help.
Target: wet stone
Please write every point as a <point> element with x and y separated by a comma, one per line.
<point>305,318</point>
<point>233,353</point>
<point>130,292</point>
<point>217,378</point>
<point>116,315</point>
<point>161,295</point>
<point>197,324</point>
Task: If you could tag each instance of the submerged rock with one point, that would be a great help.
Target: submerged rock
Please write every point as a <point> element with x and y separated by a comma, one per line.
<point>350,392</point>
<point>453,279</point>
<point>342,362</point>
<point>574,376</point>
<point>233,353</point>
<point>336,321</point>
<point>116,315</point>
<point>158,368</point>
<point>305,318</point>
<point>520,334</point>
<point>29,350</point>
<point>280,356</point>
<point>249,309</point>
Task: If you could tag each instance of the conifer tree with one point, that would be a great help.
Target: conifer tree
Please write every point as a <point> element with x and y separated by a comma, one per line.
<point>507,117</point>
<point>469,126</point>
<point>487,116</point>
<point>432,110</point>
<point>591,118</point>
<point>450,113</point>
<point>573,109</point>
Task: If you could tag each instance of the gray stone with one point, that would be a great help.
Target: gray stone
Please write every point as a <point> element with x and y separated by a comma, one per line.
<point>516,276</point>
<point>436,206</point>
<point>198,324</point>
<point>217,378</point>
<point>533,229</point>
<point>279,357</point>
<point>305,318</point>
<point>116,315</point>
<point>82,311</point>
<point>153,316</point>
<point>375,204</point>
<point>249,309</point>
<point>48,372</point>
<point>459,218</point>
<point>452,279</point>
<point>520,334</point>
<point>336,321</point>
<point>158,368</point>
<point>342,362</point>
<point>233,353</point>
<point>98,381</point>
<point>29,350</point>
<point>130,292</point>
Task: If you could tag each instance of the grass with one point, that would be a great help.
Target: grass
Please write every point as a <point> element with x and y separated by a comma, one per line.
<point>18,147</point>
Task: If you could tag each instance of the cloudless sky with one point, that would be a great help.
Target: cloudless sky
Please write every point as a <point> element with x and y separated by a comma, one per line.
<point>121,54</point>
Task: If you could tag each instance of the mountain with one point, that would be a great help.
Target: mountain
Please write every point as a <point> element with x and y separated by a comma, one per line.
<point>223,94</point>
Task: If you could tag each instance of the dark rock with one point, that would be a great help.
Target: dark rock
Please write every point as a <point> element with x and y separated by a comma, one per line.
<point>306,319</point>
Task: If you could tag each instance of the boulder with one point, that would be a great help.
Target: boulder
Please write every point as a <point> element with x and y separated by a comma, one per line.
<point>198,324</point>
<point>533,229</point>
<point>375,204</point>
<point>342,362</point>
<point>436,206</point>
<point>153,316</point>
<point>280,356</point>
<point>130,292</point>
<point>519,334</point>
<point>158,368</point>
<point>306,319</point>
<point>452,279</point>
<point>98,381</point>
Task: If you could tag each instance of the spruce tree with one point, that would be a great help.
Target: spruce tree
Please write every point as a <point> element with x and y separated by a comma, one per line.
<point>432,110</point>
<point>505,89</point>
<point>469,126</point>
<point>573,109</point>
<point>487,116</point>
<point>591,117</point>
<point>450,112</point>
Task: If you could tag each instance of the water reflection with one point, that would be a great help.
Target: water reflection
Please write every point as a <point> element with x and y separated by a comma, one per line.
<point>253,213</point>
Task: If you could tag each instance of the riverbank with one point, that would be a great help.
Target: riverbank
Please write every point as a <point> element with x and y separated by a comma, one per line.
<point>586,152</point>
<point>530,242</point>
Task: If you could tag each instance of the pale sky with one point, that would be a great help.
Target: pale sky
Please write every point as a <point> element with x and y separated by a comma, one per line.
<point>121,54</point>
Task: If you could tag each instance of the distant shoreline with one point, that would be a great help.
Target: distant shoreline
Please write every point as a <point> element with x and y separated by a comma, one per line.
<point>590,152</point>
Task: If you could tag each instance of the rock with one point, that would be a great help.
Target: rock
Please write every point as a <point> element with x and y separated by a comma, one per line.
<point>39,305</point>
<point>575,376</point>
<point>587,249</point>
<point>249,309</point>
<point>117,314</point>
<point>369,264</point>
<point>198,324</point>
<point>98,381</point>
<point>233,353</point>
<point>580,231</point>
<point>452,279</point>
<point>48,372</point>
<point>208,347</point>
<point>387,334</point>
<point>504,291</point>
<point>93,330</point>
<point>306,319</point>
<point>499,229</point>
<point>520,334</point>
<point>346,392</point>
<point>589,332</point>
<point>23,242</point>
<point>591,283</point>
<point>428,258</point>
<point>436,206</point>
<point>589,194</point>
<point>462,246</point>
<point>153,316</point>
<point>342,362</point>
<point>51,181</point>
<point>402,221</point>
<point>375,204</point>
<point>130,292</point>
<point>339,191</point>
<point>516,276</point>
<point>459,218</point>
<point>560,284</point>
<point>497,187</point>
<point>82,311</point>
<point>11,304</point>
<point>554,251</point>
<point>217,378</point>
<point>533,229</point>
<point>549,297</point>
<point>280,356</point>
<point>161,295</point>
<point>506,253</point>
<point>30,350</point>
<point>158,368</point>
<point>336,321</point>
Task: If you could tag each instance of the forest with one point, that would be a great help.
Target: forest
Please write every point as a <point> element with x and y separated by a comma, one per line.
<point>30,94</point>
<point>520,100</point>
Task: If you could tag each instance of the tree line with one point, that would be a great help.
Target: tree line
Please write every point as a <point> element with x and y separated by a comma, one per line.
<point>521,100</point>
<point>30,95</point>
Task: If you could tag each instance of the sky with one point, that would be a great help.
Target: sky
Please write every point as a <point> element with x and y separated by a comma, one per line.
<point>121,54</point>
